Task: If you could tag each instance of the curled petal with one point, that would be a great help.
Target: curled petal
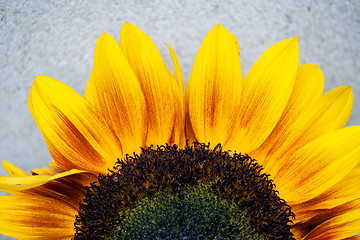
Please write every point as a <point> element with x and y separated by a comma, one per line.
<point>21,183</point>
<point>179,120</point>
<point>12,170</point>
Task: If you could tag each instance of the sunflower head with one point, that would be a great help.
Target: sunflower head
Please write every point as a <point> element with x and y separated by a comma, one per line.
<point>172,193</point>
<point>304,183</point>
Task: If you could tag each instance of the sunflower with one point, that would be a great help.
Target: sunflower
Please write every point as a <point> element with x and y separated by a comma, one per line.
<point>264,157</point>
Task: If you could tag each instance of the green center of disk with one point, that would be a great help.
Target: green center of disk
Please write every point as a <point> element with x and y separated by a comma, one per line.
<point>192,213</point>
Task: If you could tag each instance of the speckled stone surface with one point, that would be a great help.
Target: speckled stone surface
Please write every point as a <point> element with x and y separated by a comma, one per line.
<point>57,38</point>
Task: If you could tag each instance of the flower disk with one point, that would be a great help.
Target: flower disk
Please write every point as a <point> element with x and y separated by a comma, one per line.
<point>180,186</point>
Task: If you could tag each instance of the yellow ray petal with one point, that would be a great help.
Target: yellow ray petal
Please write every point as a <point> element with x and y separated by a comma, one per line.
<point>36,217</point>
<point>43,171</point>
<point>317,166</point>
<point>115,91</point>
<point>266,91</point>
<point>309,86</point>
<point>21,183</point>
<point>213,92</point>
<point>181,116</point>
<point>329,113</point>
<point>12,170</point>
<point>353,238</point>
<point>76,135</point>
<point>57,168</point>
<point>347,190</point>
<point>344,224</point>
<point>160,88</point>
<point>70,189</point>
<point>177,69</point>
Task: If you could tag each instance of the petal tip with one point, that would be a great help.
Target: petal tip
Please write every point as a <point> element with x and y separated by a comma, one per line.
<point>41,79</point>
<point>5,163</point>
<point>346,89</point>
<point>104,40</point>
<point>219,29</point>
<point>219,26</point>
<point>127,26</point>
<point>104,35</point>
<point>293,41</point>
<point>38,80</point>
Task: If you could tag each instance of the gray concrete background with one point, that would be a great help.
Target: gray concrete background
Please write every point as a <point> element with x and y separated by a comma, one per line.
<point>57,38</point>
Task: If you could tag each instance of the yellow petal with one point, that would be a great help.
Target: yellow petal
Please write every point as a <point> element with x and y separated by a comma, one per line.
<point>352,238</point>
<point>309,85</point>
<point>43,171</point>
<point>36,217</point>
<point>57,168</point>
<point>12,170</point>
<point>266,91</point>
<point>115,91</point>
<point>213,92</point>
<point>179,121</point>
<point>329,113</point>
<point>69,189</point>
<point>344,223</point>
<point>177,69</point>
<point>161,89</point>
<point>317,166</point>
<point>21,183</point>
<point>347,190</point>
<point>76,135</point>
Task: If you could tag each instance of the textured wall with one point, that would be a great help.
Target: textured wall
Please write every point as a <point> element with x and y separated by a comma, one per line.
<point>57,38</point>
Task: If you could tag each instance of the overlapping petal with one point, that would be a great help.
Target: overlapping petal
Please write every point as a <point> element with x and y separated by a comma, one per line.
<point>341,222</point>
<point>352,238</point>
<point>36,217</point>
<point>160,88</point>
<point>329,113</point>
<point>67,122</point>
<point>346,190</point>
<point>115,91</point>
<point>319,165</point>
<point>308,88</point>
<point>266,91</point>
